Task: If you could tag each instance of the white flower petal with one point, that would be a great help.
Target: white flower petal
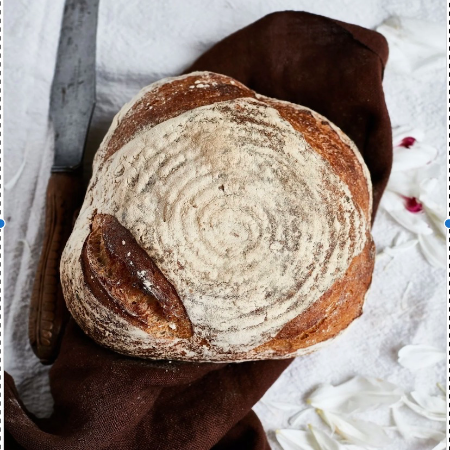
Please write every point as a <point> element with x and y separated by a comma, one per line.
<point>12,182</point>
<point>435,170</point>
<point>441,446</point>
<point>422,411</point>
<point>296,440</point>
<point>413,431</point>
<point>324,441</point>
<point>436,214</point>
<point>427,186</point>
<point>401,425</point>
<point>434,249</point>
<point>435,211</point>
<point>418,155</point>
<point>399,245</point>
<point>357,394</point>
<point>431,403</point>
<point>356,431</point>
<point>286,444</point>
<point>428,433</point>
<point>433,197</point>
<point>400,248</point>
<point>405,184</point>
<point>298,418</point>
<point>441,388</point>
<point>392,201</point>
<point>283,406</point>
<point>400,238</point>
<point>414,222</point>
<point>415,357</point>
<point>414,45</point>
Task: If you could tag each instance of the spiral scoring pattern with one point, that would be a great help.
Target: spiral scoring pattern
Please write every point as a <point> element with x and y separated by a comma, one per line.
<point>241,215</point>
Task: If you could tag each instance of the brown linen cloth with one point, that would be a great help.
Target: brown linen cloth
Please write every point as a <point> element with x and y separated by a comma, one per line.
<point>107,401</point>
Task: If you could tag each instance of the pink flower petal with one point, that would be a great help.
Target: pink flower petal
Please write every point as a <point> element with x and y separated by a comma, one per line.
<point>395,206</point>
<point>403,131</point>
<point>407,142</point>
<point>413,205</point>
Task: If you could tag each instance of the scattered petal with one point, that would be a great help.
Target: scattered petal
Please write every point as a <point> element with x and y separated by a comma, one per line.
<point>400,238</point>
<point>395,250</point>
<point>283,406</point>
<point>413,157</point>
<point>431,403</point>
<point>415,357</point>
<point>399,245</point>
<point>404,300</point>
<point>296,440</point>
<point>441,446</point>
<point>413,431</point>
<point>394,205</point>
<point>427,186</point>
<point>298,418</point>
<point>404,183</point>
<point>12,182</point>
<point>434,250</point>
<point>356,431</point>
<point>402,132</point>
<point>436,213</point>
<point>402,427</point>
<point>324,441</point>
<point>419,409</point>
<point>413,205</point>
<point>427,433</point>
<point>407,142</point>
<point>357,394</point>
<point>410,196</point>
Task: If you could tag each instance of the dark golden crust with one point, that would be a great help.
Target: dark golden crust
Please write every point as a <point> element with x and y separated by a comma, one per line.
<point>326,141</point>
<point>171,100</point>
<point>330,314</point>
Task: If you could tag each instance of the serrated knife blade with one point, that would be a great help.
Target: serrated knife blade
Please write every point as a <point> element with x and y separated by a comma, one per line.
<point>73,90</point>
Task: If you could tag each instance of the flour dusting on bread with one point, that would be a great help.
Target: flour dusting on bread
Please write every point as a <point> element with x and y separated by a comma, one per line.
<point>248,222</point>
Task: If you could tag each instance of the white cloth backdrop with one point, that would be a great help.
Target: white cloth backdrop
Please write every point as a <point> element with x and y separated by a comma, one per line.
<point>139,42</point>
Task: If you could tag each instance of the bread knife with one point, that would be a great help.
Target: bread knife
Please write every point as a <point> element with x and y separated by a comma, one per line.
<point>72,101</point>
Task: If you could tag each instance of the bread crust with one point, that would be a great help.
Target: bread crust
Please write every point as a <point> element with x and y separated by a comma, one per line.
<point>155,315</point>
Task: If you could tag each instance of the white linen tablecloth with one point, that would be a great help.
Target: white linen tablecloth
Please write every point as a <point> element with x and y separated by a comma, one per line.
<point>139,42</point>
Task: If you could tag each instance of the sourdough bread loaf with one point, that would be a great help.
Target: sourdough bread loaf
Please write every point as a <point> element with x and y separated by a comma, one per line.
<point>220,225</point>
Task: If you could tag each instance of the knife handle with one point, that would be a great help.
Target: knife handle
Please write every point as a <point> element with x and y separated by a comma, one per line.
<point>48,311</point>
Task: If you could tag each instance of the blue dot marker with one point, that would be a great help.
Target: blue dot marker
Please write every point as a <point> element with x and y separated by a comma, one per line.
<point>2,223</point>
<point>447,223</point>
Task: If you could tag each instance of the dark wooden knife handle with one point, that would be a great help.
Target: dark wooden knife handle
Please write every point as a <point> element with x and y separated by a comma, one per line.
<point>48,311</point>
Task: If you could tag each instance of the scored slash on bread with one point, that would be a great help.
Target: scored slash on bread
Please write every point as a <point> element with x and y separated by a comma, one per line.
<point>122,275</point>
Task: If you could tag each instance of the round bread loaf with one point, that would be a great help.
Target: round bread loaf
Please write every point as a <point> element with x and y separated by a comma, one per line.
<point>220,225</point>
